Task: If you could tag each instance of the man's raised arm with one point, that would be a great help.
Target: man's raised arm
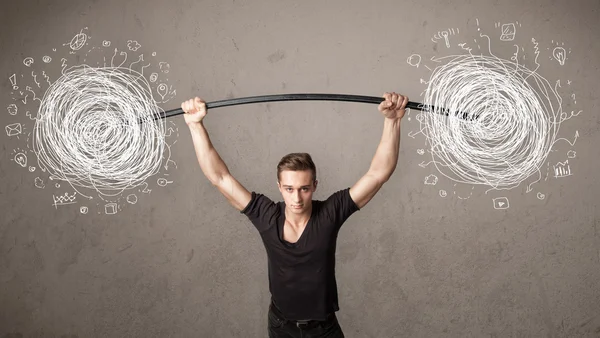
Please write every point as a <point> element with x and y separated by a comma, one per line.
<point>386,157</point>
<point>210,162</point>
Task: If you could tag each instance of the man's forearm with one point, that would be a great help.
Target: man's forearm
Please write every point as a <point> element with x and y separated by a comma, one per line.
<point>210,162</point>
<point>386,157</point>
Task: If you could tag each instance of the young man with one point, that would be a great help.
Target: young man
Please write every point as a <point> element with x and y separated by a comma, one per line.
<point>300,234</point>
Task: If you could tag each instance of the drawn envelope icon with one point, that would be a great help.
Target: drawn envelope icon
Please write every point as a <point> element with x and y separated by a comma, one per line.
<point>13,129</point>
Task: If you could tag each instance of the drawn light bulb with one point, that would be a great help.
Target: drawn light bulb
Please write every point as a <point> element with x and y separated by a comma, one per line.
<point>559,54</point>
<point>162,90</point>
<point>21,159</point>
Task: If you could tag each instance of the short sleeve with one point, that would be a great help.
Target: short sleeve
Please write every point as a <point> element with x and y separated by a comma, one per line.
<point>339,206</point>
<point>261,211</point>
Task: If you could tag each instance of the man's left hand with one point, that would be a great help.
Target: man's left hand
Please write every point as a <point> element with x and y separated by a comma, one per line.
<point>394,105</point>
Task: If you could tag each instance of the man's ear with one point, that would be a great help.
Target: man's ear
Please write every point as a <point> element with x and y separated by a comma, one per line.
<point>315,185</point>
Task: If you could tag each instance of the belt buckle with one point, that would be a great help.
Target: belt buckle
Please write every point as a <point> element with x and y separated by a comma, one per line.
<point>302,322</point>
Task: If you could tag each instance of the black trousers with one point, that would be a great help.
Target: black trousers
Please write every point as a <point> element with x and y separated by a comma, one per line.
<point>280,327</point>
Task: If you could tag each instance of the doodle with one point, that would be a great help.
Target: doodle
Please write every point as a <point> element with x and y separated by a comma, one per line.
<point>500,203</point>
<point>47,59</point>
<point>444,35</point>
<point>133,45</point>
<point>84,210</point>
<point>78,41</point>
<point>153,77</point>
<point>562,169</point>
<point>28,61</point>
<point>559,54</point>
<point>508,32</point>
<point>162,90</point>
<point>164,67</point>
<point>65,199</point>
<point>420,151</point>
<point>110,208</point>
<point>31,169</point>
<point>12,109</point>
<point>414,60</point>
<point>431,180</point>
<point>132,199</point>
<point>163,182</point>
<point>105,43</point>
<point>13,129</point>
<point>540,196</point>
<point>39,183</point>
<point>443,193</point>
<point>21,159</point>
<point>13,81</point>
<point>571,154</point>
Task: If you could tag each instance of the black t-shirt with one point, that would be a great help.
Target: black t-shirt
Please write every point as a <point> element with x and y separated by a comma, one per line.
<point>302,274</point>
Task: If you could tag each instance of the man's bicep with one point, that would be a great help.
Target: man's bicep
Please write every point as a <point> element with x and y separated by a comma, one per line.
<point>237,195</point>
<point>365,189</point>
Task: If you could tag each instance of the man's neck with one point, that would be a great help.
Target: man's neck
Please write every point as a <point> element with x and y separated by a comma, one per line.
<point>298,219</point>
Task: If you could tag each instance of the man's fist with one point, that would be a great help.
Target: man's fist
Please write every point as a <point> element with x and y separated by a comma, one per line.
<point>194,109</point>
<point>394,105</point>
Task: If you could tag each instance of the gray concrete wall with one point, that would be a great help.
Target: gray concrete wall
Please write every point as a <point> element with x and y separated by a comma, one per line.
<point>181,262</point>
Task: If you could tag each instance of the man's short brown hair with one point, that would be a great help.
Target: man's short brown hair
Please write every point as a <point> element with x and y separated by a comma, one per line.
<point>296,162</point>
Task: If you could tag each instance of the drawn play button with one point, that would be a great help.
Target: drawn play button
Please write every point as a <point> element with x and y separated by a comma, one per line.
<point>501,203</point>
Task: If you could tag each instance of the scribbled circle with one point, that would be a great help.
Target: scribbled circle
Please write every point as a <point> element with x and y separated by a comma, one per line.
<point>95,129</point>
<point>516,122</point>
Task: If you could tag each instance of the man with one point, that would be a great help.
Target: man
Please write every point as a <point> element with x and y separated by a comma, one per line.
<point>300,234</point>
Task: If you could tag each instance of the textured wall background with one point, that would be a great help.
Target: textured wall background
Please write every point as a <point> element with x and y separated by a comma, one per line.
<point>181,262</point>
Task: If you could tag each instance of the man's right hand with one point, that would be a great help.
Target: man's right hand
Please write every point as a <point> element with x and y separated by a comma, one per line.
<point>194,109</point>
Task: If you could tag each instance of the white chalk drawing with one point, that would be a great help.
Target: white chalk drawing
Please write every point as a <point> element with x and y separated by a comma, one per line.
<point>505,118</point>
<point>420,151</point>
<point>12,109</point>
<point>562,169</point>
<point>443,193</point>
<point>541,196</point>
<point>65,199</point>
<point>431,180</point>
<point>13,129</point>
<point>92,128</point>
<point>28,61</point>
<point>83,210</point>
<point>501,203</point>
<point>414,60</point>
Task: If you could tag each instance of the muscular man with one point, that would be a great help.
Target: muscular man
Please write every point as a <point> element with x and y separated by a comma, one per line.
<point>300,233</point>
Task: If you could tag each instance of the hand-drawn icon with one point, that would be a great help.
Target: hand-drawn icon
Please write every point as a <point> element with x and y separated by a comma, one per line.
<point>560,55</point>
<point>508,32</point>
<point>420,151</point>
<point>13,129</point>
<point>83,210</point>
<point>12,109</point>
<point>500,203</point>
<point>431,180</point>
<point>64,199</point>
<point>163,182</point>
<point>162,90</point>
<point>153,77</point>
<point>133,45</point>
<point>110,208</point>
<point>39,183</point>
<point>46,59</point>
<point>571,154</point>
<point>562,169</point>
<point>21,159</point>
<point>443,193</point>
<point>132,199</point>
<point>444,35</point>
<point>414,60</point>
<point>13,81</point>
<point>28,61</point>
<point>153,53</point>
<point>77,41</point>
<point>31,169</point>
<point>540,196</point>
<point>105,43</point>
<point>164,67</point>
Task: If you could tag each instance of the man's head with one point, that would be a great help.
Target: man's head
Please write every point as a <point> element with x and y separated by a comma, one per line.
<point>297,180</point>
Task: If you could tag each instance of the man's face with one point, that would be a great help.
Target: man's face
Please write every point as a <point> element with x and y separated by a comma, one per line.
<point>297,189</point>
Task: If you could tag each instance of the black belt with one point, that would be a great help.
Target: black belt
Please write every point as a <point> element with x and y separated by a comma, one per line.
<point>304,324</point>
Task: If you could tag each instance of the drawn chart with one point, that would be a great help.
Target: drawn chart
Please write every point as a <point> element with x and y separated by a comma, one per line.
<point>84,116</point>
<point>515,114</point>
